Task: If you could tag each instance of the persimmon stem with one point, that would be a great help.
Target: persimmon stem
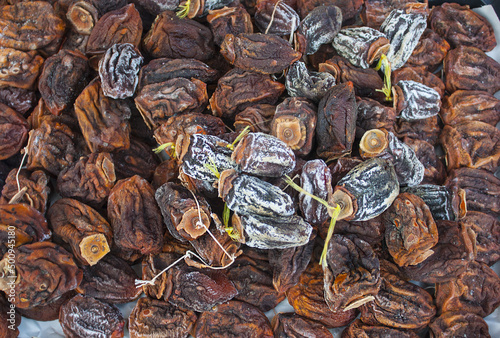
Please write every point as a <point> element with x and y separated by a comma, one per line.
<point>331,228</point>
<point>387,89</point>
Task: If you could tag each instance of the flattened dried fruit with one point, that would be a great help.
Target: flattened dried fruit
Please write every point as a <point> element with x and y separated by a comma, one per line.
<point>471,144</point>
<point>158,102</point>
<point>262,53</point>
<point>156,318</point>
<point>487,229</point>
<point>19,69</point>
<point>415,101</point>
<point>88,317</point>
<point>252,277</point>
<point>177,38</point>
<point>263,155</point>
<point>336,126</point>
<point>293,325</point>
<point>467,106</point>
<point>111,280</point>
<point>21,100</point>
<point>404,31</point>
<point>469,68</point>
<point>135,216</point>
<point>459,324</point>
<point>181,212</point>
<point>63,77</point>
<point>123,25</point>
<point>163,69</point>
<point>373,115</point>
<point>352,273</point>
<point>249,195</point>
<point>139,159</point>
<point>229,20</point>
<point>421,75</point>
<point>119,69</point>
<point>234,318</point>
<point>35,183</point>
<point>51,147</point>
<point>31,25</point>
<point>359,329</point>
<point>399,304</point>
<point>435,170</point>
<point>257,118</point>
<point>319,27</point>
<point>77,224</point>
<point>13,131</point>
<point>276,17</point>
<point>89,179</point>
<point>274,232</point>
<point>476,290</point>
<point>361,45</point>
<point>303,83</point>
<point>45,271</point>
<point>461,26</point>
<point>429,51</point>
<point>316,180</point>
<point>239,89</point>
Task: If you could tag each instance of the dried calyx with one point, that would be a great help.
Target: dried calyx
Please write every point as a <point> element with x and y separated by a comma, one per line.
<point>373,143</point>
<point>94,247</point>
<point>291,130</point>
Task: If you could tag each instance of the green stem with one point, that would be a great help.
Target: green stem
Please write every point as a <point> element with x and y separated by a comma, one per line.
<point>183,10</point>
<point>242,134</point>
<point>297,187</point>
<point>387,89</point>
<point>212,167</point>
<point>331,228</point>
<point>164,146</point>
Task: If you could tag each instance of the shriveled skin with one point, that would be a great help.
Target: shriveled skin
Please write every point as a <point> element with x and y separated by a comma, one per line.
<point>399,304</point>
<point>279,17</point>
<point>308,299</point>
<point>336,126</point>
<point>289,264</point>
<point>88,317</point>
<point>31,25</point>
<point>200,289</point>
<point>262,53</point>
<point>19,69</point>
<point>358,329</point>
<point>111,280</point>
<point>51,147</point>
<point>482,189</point>
<point>233,319</point>
<point>13,131</point>
<point>123,25</point>
<point>373,115</point>
<point>89,179</point>
<point>427,129</point>
<point>300,82</point>
<point>103,120</point>
<point>177,38</point>
<point>461,26</point>
<point>73,221</point>
<point>155,318</point>
<point>36,183</point>
<point>158,102</point>
<point>470,105</point>
<point>419,74</point>
<point>316,180</point>
<point>63,77</point>
<point>239,89</point>
<point>365,81</point>
<point>471,144</point>
<point>352,272</point>
<point>459,324</point>
<point>139,159</point>
<point>48,311</point>
<point>375,11</point>
<point>163,69</point>
<point>263,155</point>
<point>253,279</point>
<point>46,271</point>
<point>435,170</point>
<point>371,231</point>
<point>258,118</point>
<point>453,253</point>
<point>444,204</point>
<point>21,100</point>
<point>119,69</point>
<point>229,20</point>
<point>135,216</point>
<point>487,229</point>
<point>476,290</point>
<point>469,68</point>
<point>319,27</point>
<point>294,326</point>
<point>415,101</point>
<point>429,51</point>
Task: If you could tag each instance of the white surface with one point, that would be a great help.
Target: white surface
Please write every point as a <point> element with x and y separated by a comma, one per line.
<point>31,328</point>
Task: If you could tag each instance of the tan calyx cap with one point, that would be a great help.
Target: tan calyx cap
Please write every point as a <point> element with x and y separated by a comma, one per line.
<point>190,224</point>
<point>83,16</point>
<point>345,201</point>
<point>373,143</point>
<point>290,130</point>
<point>93,248</point>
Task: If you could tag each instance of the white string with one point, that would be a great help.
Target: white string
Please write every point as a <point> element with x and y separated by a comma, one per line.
<point>140,283</point>
<point>19,169</point>
<point>272,17</point>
